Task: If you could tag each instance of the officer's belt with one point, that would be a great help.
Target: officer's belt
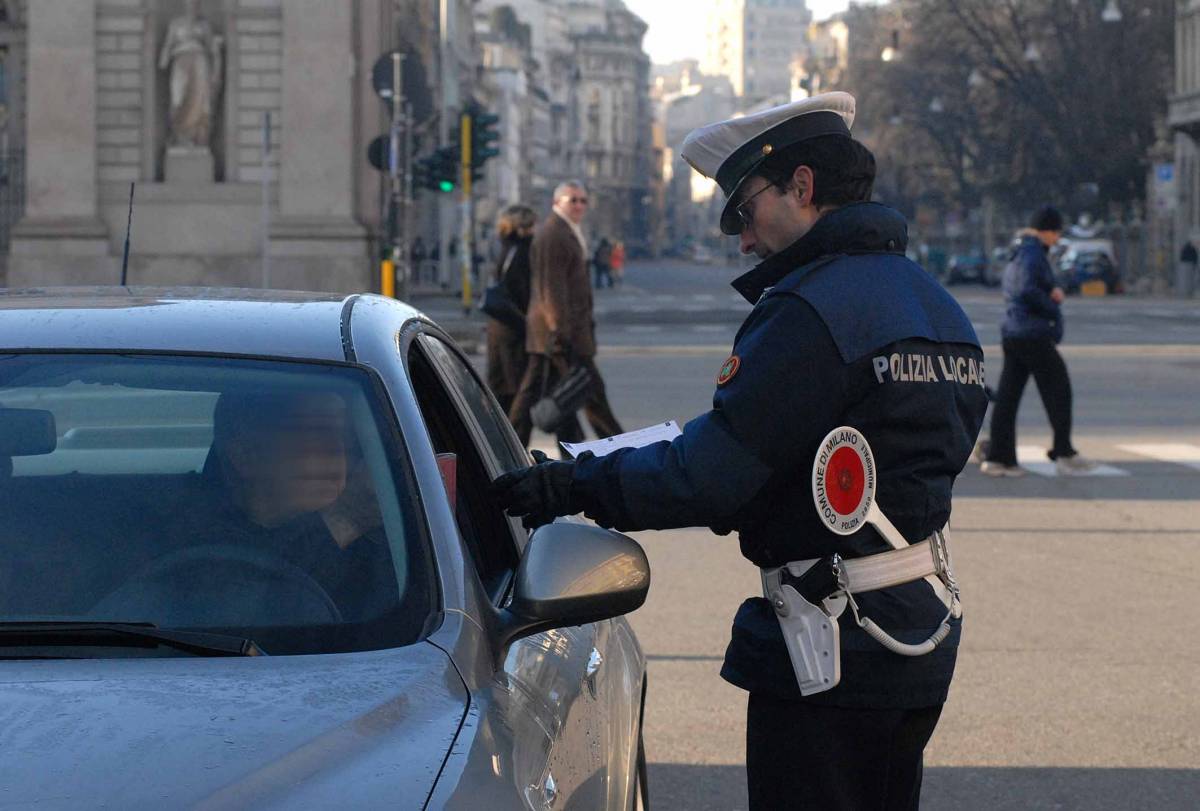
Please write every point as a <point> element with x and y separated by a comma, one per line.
<point>858,575</point>
<point>809,595</point>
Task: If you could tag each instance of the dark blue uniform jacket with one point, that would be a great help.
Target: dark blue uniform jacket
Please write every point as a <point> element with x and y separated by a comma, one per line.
<point>1028,281</point>
<point>845,331</point>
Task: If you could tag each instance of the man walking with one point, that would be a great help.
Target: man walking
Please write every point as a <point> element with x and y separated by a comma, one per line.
<point>1032,329</point>
<point>560,334</point>
<point>845,331</point>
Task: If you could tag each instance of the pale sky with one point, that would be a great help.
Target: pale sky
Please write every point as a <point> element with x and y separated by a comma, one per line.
<point>677,26</point>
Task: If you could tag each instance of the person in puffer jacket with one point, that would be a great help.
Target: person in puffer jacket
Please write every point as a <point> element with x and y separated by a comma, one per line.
<point>1030,334</point>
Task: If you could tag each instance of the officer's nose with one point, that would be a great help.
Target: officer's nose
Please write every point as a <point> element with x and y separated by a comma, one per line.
<point>746,240</point>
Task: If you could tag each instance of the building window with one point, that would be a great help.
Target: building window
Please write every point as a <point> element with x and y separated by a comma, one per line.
<point>593,115</point>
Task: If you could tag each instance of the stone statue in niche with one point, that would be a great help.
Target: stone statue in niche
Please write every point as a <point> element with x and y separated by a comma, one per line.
<point>191,52</point>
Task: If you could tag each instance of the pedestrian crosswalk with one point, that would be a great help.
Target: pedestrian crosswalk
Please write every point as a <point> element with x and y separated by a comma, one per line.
<point>1034,459</point>
<point>639,301</point>
<point>1121,458</point>
<point>1176,453</point>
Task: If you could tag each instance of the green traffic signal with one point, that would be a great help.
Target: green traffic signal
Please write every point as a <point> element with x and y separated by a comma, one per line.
<point>437,171</point>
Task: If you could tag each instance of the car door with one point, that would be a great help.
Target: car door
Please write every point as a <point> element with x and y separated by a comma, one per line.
<point>559,678</point>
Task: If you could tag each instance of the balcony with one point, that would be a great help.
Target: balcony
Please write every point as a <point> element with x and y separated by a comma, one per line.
<point>1183,113</point>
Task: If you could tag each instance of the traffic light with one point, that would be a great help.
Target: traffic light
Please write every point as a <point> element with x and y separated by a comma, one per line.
<point>437,171</point>
<point>484,136</point>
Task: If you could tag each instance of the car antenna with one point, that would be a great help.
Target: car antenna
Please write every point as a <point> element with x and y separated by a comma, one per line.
<point>128,228</point>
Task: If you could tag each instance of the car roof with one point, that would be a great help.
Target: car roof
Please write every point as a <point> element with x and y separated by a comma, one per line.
<point>208,320</point>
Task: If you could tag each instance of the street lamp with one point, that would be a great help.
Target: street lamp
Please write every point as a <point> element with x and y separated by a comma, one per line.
<point>1111,13</point>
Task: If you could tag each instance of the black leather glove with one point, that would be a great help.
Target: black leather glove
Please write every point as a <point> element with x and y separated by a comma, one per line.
<point>537,494</point>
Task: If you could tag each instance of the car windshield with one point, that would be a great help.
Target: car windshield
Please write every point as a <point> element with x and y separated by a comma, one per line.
<point>264,499</point>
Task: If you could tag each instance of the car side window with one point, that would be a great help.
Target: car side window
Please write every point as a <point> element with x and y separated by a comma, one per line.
<point>485,529</point>
<point>478,400</point>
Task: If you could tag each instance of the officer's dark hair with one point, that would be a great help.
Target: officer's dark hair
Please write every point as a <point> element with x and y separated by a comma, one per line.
<point>843,169</point>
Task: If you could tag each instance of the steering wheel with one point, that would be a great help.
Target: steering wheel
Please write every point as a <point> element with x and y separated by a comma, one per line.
<point>220,585</point>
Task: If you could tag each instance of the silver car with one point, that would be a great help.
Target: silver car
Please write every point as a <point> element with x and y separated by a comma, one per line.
<point>248,558</point>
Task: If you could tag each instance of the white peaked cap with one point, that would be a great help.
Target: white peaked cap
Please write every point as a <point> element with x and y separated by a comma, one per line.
<point>729,151</point>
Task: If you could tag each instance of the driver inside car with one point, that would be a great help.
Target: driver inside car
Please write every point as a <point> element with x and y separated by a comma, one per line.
<point>283,479</point>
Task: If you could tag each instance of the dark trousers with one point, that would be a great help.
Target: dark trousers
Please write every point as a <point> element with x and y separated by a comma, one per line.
<point>802,756</point>
<point>1024,357</point>
<point>542,372</point>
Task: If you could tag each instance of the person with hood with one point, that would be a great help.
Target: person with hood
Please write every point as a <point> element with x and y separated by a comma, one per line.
<point>1030,334</point>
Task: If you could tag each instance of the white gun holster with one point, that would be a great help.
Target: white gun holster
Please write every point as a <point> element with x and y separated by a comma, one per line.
<point>810,623</point>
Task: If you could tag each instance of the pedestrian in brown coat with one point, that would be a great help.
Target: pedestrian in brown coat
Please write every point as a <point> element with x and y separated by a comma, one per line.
<point>506,356</point>
<point>560,332</point>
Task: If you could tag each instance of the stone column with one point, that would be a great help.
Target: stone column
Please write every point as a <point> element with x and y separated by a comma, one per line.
<point>316,236</point>
<point>61,239</point>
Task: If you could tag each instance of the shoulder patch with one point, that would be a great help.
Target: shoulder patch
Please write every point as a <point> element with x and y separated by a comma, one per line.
<point>728,370</point>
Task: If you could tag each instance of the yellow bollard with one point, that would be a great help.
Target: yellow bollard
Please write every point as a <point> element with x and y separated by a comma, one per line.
<point>387,278</point>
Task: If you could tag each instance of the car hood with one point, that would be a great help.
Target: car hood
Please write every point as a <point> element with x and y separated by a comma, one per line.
<point>346,730</point>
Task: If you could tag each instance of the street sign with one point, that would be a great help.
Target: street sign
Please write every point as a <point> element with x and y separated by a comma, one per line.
<point>381,75</point>
<point>1163,191</point>
<point>379,153</point>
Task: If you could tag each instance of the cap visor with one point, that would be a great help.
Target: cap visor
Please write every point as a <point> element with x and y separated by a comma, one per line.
<point>731,223</point>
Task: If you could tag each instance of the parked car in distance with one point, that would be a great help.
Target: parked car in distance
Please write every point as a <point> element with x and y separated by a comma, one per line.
<point>1001,256</point>
<point>967,267</point>
<point>1090,273</point>
<point>249,558</point>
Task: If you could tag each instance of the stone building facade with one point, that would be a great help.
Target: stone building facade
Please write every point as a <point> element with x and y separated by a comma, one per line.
<point>93,116</point>
<point>686,99</point>
<point>573,81</point>
<point>615,149</point>
<point>754,42</point>
<point>530,72</point>
<point>1184,119</point>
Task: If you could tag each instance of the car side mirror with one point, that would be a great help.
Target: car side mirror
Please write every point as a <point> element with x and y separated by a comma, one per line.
<point>572,574</point>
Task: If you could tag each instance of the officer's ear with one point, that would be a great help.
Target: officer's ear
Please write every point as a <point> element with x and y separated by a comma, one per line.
<point>802,182</point>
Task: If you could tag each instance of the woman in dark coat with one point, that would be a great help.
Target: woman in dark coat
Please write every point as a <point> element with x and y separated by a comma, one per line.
<point>505,345</point>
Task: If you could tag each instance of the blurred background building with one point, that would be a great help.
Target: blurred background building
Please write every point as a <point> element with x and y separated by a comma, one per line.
<point>972,128</point>
<point>274,166</point>
<point>1185,120</point>
<point>280,189</point>
<point>577,79</point>
<point>753,43</point>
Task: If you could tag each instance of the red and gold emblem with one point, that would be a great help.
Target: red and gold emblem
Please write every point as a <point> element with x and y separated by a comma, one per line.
<point>728,370</point>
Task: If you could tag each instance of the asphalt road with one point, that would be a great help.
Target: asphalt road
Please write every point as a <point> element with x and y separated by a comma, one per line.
<point>1076,684</point>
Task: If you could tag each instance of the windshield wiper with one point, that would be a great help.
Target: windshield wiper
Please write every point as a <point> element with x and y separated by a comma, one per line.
<point>125,634</point>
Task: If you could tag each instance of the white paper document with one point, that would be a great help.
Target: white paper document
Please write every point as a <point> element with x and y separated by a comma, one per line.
<point>632,439</point>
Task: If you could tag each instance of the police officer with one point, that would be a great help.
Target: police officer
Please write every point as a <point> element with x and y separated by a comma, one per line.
<point>845,331</point>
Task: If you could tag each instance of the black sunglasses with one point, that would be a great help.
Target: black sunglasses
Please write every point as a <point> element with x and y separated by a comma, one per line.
<point>745,215</point>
